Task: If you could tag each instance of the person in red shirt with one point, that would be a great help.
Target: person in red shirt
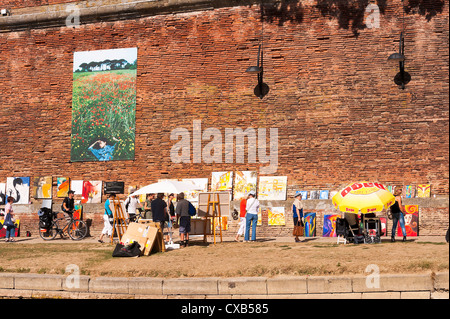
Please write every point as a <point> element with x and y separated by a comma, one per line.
<point>242,214</point>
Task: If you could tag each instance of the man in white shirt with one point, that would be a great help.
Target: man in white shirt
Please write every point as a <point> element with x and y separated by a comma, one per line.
<point>133,204</point>
<point>252,216</point>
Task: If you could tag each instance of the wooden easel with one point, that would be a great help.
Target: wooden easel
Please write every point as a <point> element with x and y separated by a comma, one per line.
<point>119,223</point>
<point>215,204</point>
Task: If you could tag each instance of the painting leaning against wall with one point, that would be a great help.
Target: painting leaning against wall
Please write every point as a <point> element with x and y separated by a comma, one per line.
<point>104,105</point>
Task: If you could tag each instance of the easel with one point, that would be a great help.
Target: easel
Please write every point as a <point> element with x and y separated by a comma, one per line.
<point>215,204</point>
<point>119,223</point>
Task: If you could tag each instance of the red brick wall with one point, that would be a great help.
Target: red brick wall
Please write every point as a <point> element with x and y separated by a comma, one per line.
<point>332,96</point>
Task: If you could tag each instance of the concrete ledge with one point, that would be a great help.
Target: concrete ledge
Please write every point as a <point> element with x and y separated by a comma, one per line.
<point>287,285</point>
<point>38,282</point>
<point>190,286</point>
<point>109,285</point>
<point>6,281</point>
<point>441,281</point>
<point>415,286</point>
<point>323,284</point>
<point>401,282</point>
<point>145,286</point>
<point>243,285</point>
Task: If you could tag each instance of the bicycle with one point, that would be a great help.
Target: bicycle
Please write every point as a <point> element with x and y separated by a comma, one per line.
<point>77,229</point>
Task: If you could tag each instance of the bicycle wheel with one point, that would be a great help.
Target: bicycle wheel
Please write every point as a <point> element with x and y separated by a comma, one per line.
<point>49,234</point>
<point>77,229</point>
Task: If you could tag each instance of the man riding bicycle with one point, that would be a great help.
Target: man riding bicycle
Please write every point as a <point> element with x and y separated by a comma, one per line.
<point>67,207</point>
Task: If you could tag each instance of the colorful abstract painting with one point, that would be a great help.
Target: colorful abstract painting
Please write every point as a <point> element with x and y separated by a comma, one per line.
<point>411,221</point>
<point>272,188</point>
<point>221,181</point>
<point>276,216</point>
<point>424,190</point>
<point>62,186</point>
<point>19,189</point>
<point>244,182</point>
<point>409,191</point>
<point>42,187</point>
<point>92,192</point>
<point>78,212</point>
<point>104,105</point>
<point>329,225</point>
<point>310,224</point>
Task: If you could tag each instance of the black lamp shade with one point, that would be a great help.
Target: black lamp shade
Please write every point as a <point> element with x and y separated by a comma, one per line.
<point>396,57</point>
<point>254,70</point>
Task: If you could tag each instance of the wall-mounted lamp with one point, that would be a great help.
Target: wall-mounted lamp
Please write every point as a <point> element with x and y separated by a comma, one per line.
<point>401,78</point>
<point>261,88</point>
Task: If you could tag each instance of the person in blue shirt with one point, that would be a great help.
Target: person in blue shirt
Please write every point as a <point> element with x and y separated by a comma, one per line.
<point>102,151</point>
<point>107,217</point>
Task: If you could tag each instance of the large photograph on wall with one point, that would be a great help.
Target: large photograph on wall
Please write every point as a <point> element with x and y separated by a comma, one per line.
<point>104,105</point>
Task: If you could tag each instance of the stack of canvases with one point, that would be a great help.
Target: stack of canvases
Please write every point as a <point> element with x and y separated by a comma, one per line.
<point>140,239</point>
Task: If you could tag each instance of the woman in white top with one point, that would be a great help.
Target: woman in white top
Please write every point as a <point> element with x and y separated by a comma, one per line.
<point>252,216</point>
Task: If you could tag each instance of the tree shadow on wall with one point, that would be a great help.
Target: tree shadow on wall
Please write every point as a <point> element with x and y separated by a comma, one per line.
<point>427,8</point>
<point>349,13</point>
<point>282,11</point>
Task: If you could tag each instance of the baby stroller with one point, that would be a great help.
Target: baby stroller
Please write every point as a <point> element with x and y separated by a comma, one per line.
<point>372,231</point>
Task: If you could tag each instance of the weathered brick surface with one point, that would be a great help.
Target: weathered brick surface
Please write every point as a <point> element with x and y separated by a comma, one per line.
<point>332,97</point>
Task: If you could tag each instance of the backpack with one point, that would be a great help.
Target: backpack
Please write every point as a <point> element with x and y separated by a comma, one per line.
<point>45,217</point>
<point>192,210</point>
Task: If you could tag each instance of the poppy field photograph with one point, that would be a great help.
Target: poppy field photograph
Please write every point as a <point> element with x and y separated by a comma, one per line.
<point>104,105</point>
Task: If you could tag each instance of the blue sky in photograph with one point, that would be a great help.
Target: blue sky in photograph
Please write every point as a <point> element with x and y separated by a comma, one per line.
<point>129,54</point>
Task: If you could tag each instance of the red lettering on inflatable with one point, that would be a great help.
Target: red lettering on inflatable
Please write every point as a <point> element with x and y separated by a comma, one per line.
<point>368,184</point>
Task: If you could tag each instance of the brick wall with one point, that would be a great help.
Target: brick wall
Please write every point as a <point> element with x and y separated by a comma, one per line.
<point>332,97</point>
